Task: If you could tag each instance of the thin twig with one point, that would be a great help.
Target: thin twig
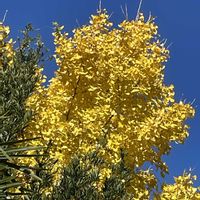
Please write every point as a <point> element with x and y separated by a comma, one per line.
<point>77,22</point>
<point>108,120</point>
<point>110,15</point>
<point>100,6</point>
<point>123,11</point>
<point>193,101</point>
<point>150,17</point>
<point>4,17</point>
<point>126,11</point>
<point>169,45</point>
<point>73,96</point>
<point>138,11</point>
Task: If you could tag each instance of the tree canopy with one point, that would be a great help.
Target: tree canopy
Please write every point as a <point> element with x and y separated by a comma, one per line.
<point>108,97</point>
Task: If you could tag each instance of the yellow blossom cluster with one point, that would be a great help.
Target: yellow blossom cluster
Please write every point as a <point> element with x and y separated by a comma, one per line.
<point>6,47</point>
<point>182,189</point>
<point>109,92</point>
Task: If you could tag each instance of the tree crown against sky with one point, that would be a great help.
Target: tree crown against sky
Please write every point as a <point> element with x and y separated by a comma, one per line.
<point>77,103</point>
<point>109,93</point>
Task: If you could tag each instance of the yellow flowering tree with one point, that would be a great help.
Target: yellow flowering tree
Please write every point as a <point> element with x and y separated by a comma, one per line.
<point>6,46</point>
<point>109,94</point>
<point>182,189</point>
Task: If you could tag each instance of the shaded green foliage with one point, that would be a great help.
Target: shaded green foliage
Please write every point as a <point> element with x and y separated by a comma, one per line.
<point>17,83</point>
<point>78,181</point>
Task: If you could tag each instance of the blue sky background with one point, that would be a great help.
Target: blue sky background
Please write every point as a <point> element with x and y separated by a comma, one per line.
<point>179,23</point>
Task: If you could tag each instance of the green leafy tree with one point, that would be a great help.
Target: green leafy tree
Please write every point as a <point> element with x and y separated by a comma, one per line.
<point>19,75</point>
<point>82,175</point>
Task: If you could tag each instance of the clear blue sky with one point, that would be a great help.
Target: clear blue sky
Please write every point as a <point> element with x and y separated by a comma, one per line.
<point>179,22</point>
